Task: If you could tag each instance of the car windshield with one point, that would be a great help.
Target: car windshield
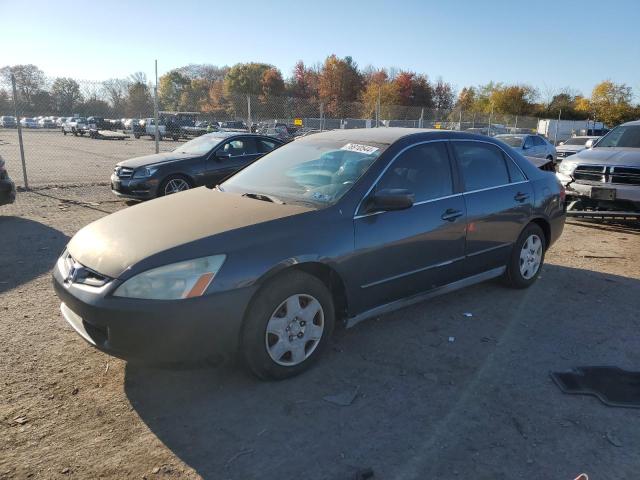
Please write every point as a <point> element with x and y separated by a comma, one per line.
<point>511,140</point>
<point>576,141</point>
<point>200,145</point>
<point>318,171</point>
<point>623,136</point>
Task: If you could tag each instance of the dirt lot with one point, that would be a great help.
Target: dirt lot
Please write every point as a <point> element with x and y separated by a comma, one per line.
<point>56,159</point>
<point>482,406</point>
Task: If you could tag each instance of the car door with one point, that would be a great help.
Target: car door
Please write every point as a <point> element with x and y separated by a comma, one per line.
<point>529,147</point>
<point>229,157</point>
<point>403,252</point>
<point>498,199</point>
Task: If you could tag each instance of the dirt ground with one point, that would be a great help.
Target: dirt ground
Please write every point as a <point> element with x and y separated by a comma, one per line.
<point>480,406</point>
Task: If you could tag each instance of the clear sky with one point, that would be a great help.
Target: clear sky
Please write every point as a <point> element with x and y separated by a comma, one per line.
<point>548,44</point>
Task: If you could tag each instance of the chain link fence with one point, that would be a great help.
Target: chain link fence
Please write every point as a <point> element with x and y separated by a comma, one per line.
<point>73,134</point>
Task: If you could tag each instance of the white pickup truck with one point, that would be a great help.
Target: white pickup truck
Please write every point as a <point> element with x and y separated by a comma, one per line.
<point>147,127</point>
<point>76,125</point>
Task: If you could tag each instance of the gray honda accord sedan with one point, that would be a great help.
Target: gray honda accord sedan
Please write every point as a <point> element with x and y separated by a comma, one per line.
<point>333,227</point>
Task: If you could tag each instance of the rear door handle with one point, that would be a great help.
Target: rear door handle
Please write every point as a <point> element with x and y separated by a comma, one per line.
<point>521,197</point>
<point>450,214</point>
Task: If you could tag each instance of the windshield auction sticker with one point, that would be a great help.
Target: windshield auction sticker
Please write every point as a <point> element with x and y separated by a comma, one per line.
<point>356,147</point>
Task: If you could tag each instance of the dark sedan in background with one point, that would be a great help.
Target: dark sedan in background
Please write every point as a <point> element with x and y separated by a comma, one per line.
<point>341,225</point>
<point>7,187</point>
<point>205,160</point>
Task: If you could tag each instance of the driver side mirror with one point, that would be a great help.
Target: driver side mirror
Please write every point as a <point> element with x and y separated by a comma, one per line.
<point>389,199</point>
<point>589,143</point>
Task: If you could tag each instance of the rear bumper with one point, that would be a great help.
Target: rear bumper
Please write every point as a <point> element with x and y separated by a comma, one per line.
<point>7,191</point>
<point>154,331</point>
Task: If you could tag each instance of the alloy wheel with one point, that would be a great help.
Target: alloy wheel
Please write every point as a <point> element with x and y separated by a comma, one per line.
<point>530,256</point>
<point>294,330</point>
<point>176,185</point>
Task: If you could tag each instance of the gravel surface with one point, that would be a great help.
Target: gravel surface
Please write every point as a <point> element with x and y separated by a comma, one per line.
<point>56,159</point>
<point>429,391</point>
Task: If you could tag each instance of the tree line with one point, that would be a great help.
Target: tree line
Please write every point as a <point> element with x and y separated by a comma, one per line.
<point>336,86</point>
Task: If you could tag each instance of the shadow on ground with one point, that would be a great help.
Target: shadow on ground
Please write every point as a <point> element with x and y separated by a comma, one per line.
<point>27,249</point>
<point>439,394</point>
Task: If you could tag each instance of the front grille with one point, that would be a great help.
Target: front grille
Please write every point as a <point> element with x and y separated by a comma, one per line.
<point>564,154</point>
<point>625,175</point>
<point>590,173</point>
<point>74,272</point>
<point>604,174</point>
<point>124,172</point>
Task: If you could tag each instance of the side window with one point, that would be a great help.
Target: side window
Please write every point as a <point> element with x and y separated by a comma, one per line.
<point>265,146</point>
<point>425,170</point>
<point>482,165</point>
<point>514,171</point>
<point>239,147</point>
<point>529,143</point>
<point>538,141</point>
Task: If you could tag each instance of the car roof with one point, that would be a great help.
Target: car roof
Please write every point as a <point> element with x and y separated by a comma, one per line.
<point>633,122</point>
<point>383,135</point>
<point>521,135</point>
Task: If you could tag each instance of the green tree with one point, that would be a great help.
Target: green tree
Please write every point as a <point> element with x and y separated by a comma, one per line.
<point>138,102</point>
<point>246,78</point>
<point>65,95</point>
<point>171,87</point>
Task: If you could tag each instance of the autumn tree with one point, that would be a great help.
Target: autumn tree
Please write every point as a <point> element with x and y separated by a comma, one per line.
<point>339,84</point>
<point>467,99</point>
<point>379,88</point>
<point>65,95</point>
<point>611,102</point>
<point>414,89</point>
<point>272,83</point>
<point>513,99</point>
<point>246,78</point>
<point>303,82</point>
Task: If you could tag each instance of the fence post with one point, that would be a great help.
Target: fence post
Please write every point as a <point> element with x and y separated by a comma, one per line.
<point>490,115</point>
<point>15,109</point>
<point>155,111</point>
<point>321,116</point>
<point>460,121</point>
<point>516,125</point>
<point>421,123</point>
<point>249,112</point>
<point>555,135</point>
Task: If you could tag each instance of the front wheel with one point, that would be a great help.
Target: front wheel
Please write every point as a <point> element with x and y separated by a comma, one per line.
<point>174,184</point>
<point>526,258</point>
<point>287,326</point>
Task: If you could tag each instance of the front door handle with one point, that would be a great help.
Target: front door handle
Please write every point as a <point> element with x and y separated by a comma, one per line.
<point>450,214</point>
<point>521,197</point>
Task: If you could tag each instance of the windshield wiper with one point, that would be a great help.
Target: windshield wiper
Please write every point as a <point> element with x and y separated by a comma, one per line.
<point>263,197</point>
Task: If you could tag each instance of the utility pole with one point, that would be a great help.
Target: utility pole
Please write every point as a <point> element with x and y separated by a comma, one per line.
<point>155,111</point>
<point>555,136</point>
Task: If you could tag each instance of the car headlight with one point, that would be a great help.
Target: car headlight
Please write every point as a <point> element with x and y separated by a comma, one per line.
<point>186,279</point>
<point>567,168</point>
<point>144,172</point>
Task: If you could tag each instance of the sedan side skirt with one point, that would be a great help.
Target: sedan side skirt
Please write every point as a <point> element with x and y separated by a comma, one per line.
<point>405,302</point>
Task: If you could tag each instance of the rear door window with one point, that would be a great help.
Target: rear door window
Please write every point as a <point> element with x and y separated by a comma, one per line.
<point>265,146</point>
<point>482,165</point>
<point>240,146</point>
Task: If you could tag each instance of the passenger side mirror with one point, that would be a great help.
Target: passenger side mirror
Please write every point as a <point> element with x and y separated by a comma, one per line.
<point>589,143</point>
<point>389,199</point>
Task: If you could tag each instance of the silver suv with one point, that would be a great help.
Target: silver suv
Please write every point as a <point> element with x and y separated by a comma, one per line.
<point>606,176</point>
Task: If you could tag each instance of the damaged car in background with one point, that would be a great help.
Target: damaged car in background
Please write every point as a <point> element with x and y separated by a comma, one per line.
<point>7,187</point>
<point>604,179</point>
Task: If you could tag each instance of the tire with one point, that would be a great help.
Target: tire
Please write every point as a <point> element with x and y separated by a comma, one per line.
<point>175,138</point>
<point>136,135</point>
<point>177,180</point>
<point>64,132</point>
<point>268,309</point>
<point>75,132</point>
<point>525,263</point>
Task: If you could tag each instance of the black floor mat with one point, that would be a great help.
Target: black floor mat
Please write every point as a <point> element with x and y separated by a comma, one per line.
<point>612,385</point>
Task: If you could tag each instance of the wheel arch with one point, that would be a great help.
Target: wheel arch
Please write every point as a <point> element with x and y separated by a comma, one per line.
<point>324,272</point>
<point>544,224</point>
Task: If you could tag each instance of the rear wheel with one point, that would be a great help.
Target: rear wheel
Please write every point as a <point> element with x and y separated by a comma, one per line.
<point>174,184</point>
<point>527,258</point>
<point>64,132</point>
<point>287,326</point>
